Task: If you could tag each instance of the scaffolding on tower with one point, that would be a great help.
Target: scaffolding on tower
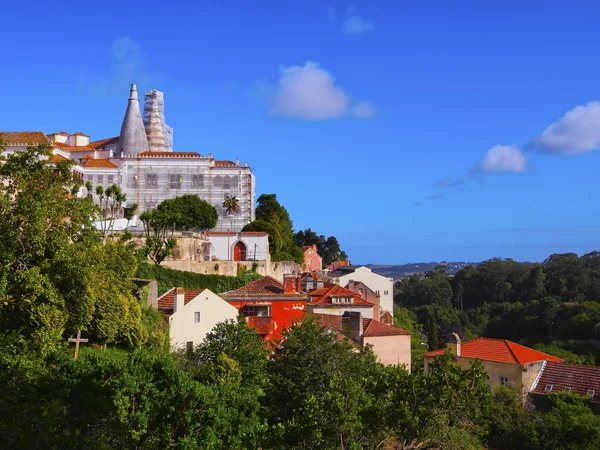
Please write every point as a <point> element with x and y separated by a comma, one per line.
<point>160,135</point>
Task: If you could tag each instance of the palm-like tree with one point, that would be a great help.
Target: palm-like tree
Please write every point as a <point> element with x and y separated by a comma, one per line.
<point>232,206</point>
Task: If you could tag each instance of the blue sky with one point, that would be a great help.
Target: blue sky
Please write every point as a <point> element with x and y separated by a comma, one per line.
<point>413,132</point>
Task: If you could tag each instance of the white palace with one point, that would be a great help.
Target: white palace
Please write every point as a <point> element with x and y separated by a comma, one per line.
<point>142,162</point>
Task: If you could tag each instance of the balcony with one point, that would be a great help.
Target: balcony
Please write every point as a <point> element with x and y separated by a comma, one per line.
<point>262,324</point>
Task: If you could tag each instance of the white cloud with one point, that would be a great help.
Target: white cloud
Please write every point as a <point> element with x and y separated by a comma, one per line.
<point>309,92</point>
<point>363,110</point>
<point>127,65</point>
<point>503,158</point>
<point>356,25</point>
<point>578,131</point>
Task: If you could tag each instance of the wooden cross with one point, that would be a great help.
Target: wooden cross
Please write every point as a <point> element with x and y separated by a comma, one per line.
<point>77,340</point>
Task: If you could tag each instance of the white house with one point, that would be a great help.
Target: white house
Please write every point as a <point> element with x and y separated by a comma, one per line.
<point>241,246</point>
<point>383,286</point>
<point>193,314</point>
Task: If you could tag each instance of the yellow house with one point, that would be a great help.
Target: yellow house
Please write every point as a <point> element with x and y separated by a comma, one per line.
<point>504,361</point>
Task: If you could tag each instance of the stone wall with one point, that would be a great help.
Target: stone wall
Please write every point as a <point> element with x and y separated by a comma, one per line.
<point>274,269</point>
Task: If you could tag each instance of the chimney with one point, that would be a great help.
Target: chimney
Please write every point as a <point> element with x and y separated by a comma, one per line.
<point>299,283</point>
<point>455,346</point>
<point>352,322</point>
<point>289,284</point>
<point>178,299</point>
<point>237,161</point>
<point>351,286</point>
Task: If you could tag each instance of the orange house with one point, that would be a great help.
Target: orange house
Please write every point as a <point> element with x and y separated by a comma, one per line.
<point>312,259</point>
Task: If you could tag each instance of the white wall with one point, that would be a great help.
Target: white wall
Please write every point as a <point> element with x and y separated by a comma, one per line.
<point>212,308</point>
<point>220,243</point>
<point>377,283</point>
<point>366,312</point>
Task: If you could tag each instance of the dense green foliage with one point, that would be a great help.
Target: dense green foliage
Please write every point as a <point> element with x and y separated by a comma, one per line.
<point>313,391</point>
<point>273,218</point>
<point>327,247</point>
<point>175,214</point>
<point>555,304</point>
<point>168,278</point>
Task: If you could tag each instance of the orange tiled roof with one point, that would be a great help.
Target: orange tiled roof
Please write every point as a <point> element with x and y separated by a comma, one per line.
<point>170,155</point>
<point>324,295</point>
<point>226,164</point>
<point>74,148</point>
<point>263,288</point>
<point>580,379</point>
<point>166,301</point>
<point>24,137</point>
<point>103,142</point>
<point>102,163</point>
<point>499,350</point>
<point>374,328</point>
<point>57,158</point>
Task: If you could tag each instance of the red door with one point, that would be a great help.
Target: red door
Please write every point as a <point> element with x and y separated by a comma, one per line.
<point>239,251</point>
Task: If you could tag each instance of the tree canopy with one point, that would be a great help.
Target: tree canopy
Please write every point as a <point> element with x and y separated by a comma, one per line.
<point>327,247</point>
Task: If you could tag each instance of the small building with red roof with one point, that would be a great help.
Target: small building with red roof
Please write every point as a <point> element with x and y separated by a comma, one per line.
<point>390,344</point>
<point>505,362</point>
<point>312,259</point>
<point>193,314</point>
<point>564,377</point>
<point>336,300</point>
<point>268,305</point>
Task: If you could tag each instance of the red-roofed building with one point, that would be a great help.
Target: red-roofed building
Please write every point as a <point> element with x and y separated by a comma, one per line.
<point>192,314</point>
<point>312,259</point>
<point>564,377</point>
<point>336,300</point>
<point>268,306</point>
<point>390,344</point>
<point>505,362</point>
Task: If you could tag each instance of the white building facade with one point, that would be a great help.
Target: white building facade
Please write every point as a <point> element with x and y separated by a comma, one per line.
<point>241,246</point>
<point>193,314</point>
<point>383,286</point>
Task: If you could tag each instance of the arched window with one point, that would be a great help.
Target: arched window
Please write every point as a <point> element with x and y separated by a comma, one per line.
<point>218,182</point>
<point>227,182</point>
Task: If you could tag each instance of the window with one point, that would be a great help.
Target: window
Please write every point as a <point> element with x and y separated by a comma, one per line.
<point>111,179</point>
<point>568,389</point>
<point>151,179</point>
<point>197,181</point>
<point>175,181</point>
<point>591,393</point>
<point>377,292</point>
<point>504,381</point>
<point>385,292</point>
<point>310,261</point>
<point>132,182</point>
<point>548,388</point>
<point>100,179</point>
<point>189,345</point>
<point>218,182</point>
<point>309,285</point>
<point>348,300</point>
<point>227,182</point>
<point>197,317</point>
<point>89,178</point>
<point>257,310</point>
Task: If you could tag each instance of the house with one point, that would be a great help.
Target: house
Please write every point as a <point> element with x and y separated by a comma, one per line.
<point>238,246</point>
<point>565,377</point>
<point>367,294</point>
<point>193,314</point>
<point>268,305</point>
<point>336,300</point>
<point>504,361</point>
<point>383,286</point>
<point>312,260</point>
<point>336,264</point>
<point>390,344</point>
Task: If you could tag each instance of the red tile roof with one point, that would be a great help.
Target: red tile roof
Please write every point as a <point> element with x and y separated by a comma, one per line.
<point>166,301</point>
<point>74,148</point>
<point>57,158</point>
<point>324,295</point>
<point>373,328</point>
<point>24,137</point>
<point>265,288</point>
<point>580,379</point>
<point>104,142</point>
<point>170,155</point>
<point>226,164</point>
<point>102,163</point>
<point>499,350</point>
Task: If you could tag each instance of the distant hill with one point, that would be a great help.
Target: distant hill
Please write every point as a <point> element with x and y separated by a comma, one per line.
<point>397,271</point>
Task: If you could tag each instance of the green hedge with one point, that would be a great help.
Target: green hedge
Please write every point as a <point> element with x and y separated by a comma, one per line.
<point>169,278</point>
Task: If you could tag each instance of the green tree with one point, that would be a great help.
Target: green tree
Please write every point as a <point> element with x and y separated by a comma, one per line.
<point>158,231</point>
<point>111,200</point>
<point>188,211</point>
